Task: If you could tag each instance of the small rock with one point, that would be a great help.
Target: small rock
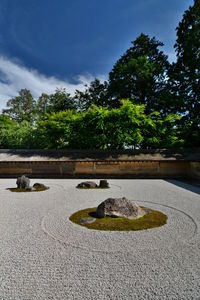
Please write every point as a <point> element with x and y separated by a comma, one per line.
<point>87,220</point>
<point>103,183</point>
<point>38,186</point>
<point>119,207</point>
<point>87,184</point>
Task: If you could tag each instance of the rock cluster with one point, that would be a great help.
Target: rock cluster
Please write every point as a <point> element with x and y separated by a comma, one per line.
<point>23,182</point>
<point>119,207</point>
<point>92,185</point>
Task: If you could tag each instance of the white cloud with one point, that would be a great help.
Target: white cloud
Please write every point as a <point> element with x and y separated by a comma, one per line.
<point>14,77</point>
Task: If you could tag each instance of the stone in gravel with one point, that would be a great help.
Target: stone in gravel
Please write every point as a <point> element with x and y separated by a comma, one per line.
<point>87,220</point>
<point>87,184</point>
<point>103,183</point>
<point>39,186</point>
<point>23,182</point>
<point>119,207</point>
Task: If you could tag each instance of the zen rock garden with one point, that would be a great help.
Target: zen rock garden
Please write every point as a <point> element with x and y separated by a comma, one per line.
<point>23,185</point>
<point>126,240</point>
<point>113,214</point>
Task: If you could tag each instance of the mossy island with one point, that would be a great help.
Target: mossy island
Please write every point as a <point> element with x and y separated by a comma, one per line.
<point>119,214</point>
<point>23,186</point>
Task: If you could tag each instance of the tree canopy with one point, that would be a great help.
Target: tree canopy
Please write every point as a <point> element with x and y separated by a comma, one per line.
<point>95,94</point>
<point>101,128</point>
<point>22,107</point>
<point>185,73</point>
<point>140,74</point>
<point>147,102</point>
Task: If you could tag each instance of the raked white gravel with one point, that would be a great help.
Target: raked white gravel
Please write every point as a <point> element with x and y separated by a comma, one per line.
<point>45,256</point>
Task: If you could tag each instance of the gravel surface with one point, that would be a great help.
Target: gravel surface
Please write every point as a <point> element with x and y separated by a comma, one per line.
<point>45,256</point>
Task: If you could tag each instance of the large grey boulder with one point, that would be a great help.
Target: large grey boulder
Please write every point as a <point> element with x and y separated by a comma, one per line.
<point>87,184</point>
<point>119,207</point>
<point>23,182</point>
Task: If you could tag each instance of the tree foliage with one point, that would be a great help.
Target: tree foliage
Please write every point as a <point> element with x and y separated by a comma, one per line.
<point>140,74</point>
<point>16,134</point>
<point>58,101</point>
<point>43,105</point>
<point>22,107</point>
<point>162,110</point>
<point>95,94</point>
<point>101,128</point>
<point>185,73</point>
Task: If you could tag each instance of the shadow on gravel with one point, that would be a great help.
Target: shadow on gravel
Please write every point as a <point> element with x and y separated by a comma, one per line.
<point>190,185</point>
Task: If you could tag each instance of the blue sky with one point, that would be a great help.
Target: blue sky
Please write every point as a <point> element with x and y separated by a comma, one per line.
<point>46,44</point>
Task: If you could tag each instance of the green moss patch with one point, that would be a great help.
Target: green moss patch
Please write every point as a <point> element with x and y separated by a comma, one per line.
<point>38,189</point>
<point>152,219</point>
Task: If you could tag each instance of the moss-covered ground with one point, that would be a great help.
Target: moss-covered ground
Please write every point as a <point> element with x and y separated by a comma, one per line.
<point>152,219</point>
<point>37,189</point>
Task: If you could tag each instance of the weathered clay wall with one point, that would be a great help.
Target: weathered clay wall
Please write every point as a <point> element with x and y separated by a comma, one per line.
<point>109,169</point>
<point>195,170</point>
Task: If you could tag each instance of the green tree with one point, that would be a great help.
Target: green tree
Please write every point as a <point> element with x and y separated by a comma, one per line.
<point>161,132</point>
<point>22,107</point>
<point>140,75</point>
<point>185,74</point>
<point>123,126</point>
<point>56,102</point>
<point>6,121</point>
<point>6,124</point>
<point>14,135</point>
<point>60,101</point>
<point>56,131</point>
<point>43,105</point>
<point>95,94</point>
<point>102,128</point>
